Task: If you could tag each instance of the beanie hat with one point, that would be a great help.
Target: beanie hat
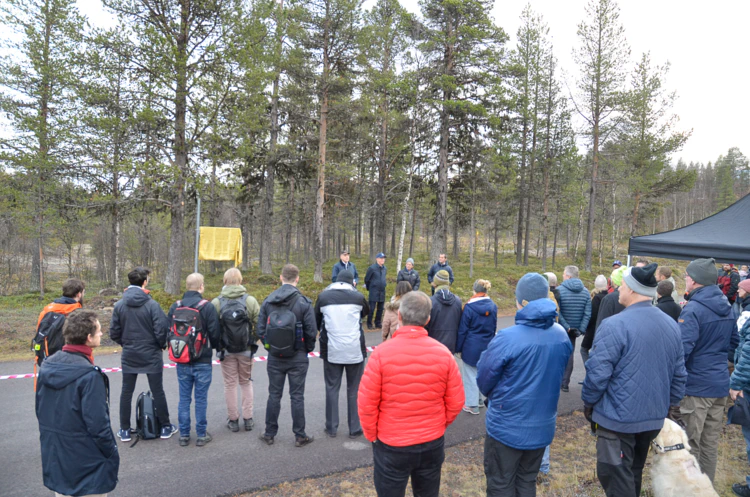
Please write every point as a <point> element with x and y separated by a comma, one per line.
<point>601,282</point>
<point>442,278</point>
<point>532,286</point>
<point>616,276</point>
<point>642,280</point>
<point>410,260</point>
<point>345,277</point>
<point>745,285</point>
<point>703,271</point>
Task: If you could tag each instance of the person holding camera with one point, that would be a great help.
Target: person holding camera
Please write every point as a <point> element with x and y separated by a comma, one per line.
<point>575,313</point>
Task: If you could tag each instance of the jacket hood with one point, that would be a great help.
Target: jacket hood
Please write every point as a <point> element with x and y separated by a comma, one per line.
<point>58,375</point>
<point>135,297</point>
<point>283,294</point>
<point>574,285</point>
<point>65,301</point>
<point>539,313</point>
<point>232,291</point>
<point>444,296</point>
<point>393,305</point>
<point>482,305</point>
<point>713,299</point>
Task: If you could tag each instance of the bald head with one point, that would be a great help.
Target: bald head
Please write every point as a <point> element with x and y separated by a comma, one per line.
<point>194,282</point>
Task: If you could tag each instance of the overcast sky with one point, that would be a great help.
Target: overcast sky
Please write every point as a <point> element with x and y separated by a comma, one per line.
<point>706,43</point>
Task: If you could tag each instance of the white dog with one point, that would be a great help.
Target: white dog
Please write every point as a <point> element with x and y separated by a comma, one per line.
<point>675,471</point>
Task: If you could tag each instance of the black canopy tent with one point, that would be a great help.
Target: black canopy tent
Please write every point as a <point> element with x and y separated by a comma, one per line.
<point>724,236</point>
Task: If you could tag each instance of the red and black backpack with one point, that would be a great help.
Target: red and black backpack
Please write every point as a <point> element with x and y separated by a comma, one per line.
<point>187,337</point>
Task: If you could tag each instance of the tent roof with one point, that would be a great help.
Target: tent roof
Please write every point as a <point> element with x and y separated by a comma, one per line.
<point>723,236</point>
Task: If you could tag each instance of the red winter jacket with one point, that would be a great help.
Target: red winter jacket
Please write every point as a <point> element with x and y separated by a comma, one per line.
<point>411,390</point>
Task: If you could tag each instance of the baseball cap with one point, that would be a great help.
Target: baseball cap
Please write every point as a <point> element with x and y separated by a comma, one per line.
<point>616,263</point>
<point>380,255</point>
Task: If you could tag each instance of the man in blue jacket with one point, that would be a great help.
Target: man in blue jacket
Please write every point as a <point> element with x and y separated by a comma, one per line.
<point>635,377</point>
<point>441,264</point>
<point>520,373</point>
<point>709,337</point>
<point>575,313</point>
<point>79,452</point>
<point>344,265</point>
<point>375,284</point>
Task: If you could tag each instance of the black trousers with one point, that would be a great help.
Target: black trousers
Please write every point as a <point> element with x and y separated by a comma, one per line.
<point>278,370</point>
<point>510,472</point>
<point>333,374</point>
<point>569,366</point>
<point>156,385</point>
<point>620,458</point>
<point>378,315</point>
<point>394,465</point>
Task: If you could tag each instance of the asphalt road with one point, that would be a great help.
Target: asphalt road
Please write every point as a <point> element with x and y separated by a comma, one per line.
<point>233,462</point>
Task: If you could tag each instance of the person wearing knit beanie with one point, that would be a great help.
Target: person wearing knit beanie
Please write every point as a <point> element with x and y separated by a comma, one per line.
<point>532,286</point>
<point>703,271</point>
<point>616,276</point>
<point>641,280</point>
<point>600,283</point>
<point>442,278</point>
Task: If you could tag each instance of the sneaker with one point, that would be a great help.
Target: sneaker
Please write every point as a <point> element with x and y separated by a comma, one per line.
<point>124,435</point>
<point>201,441</point>
<point>184,441</point>
<point>267,439</point>
<point>471,410</point>
<point>302,441</point>
<point>233,425</point>
<point>356,434</point>
<point>565,389</point>
<point>249,424</point>
<point>167,431</point>
<point>741,489</point>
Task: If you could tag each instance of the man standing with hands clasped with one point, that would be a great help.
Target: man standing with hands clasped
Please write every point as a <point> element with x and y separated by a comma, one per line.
<point>375,284</point>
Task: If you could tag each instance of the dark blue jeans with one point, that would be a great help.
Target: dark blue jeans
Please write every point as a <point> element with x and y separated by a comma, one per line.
<point>189,376</point>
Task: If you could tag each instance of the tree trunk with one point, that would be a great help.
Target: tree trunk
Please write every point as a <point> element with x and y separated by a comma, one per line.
<point>472,235</point>
<point>404,210</point>
<point>440,240</point>
<point>290,221</point>
<point>592,197</point>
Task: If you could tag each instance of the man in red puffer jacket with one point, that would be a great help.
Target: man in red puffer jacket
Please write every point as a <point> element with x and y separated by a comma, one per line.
<point>410,393</point>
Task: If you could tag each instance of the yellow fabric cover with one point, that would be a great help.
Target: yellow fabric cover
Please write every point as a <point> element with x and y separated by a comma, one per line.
<point>220,244</point>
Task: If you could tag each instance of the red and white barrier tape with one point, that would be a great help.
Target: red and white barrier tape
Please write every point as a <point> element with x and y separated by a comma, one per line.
<point>259,358</point>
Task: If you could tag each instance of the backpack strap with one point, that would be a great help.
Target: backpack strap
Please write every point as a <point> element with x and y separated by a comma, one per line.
<point>201,304</point>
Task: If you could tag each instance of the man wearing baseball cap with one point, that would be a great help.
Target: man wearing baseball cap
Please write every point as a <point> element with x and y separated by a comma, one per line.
<point>375,284</point>
<point>616,265</point>
<point>344,265</point>
<point>635,377</point>
<point>709,335</point>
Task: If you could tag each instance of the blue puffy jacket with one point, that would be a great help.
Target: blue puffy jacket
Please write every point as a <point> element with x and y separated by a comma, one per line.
<point>477,329</point>
<point>575,305</point>
<point>520,373</point>
<point>740,379</point>
<point>635,371</point>
<point>709,337</point>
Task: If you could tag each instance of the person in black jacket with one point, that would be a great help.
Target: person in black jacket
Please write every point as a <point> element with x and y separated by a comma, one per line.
<point>197,374</point>
<point>666,302</point>
<point>375,284</point>
<point>610,304</point>
<point>79,452</point>
<point>445,316</point>
<point>441,264</point>
<point>140,327</point>
<point>344,265</point>
<point>288,297</point>
<point>597,295</point>
<point>409,274</point>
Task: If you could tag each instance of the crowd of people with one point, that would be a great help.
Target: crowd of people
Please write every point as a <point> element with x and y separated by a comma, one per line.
<point>648,355</point>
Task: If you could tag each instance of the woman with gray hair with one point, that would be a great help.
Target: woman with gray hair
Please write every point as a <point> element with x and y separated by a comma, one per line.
<point>477,328</point>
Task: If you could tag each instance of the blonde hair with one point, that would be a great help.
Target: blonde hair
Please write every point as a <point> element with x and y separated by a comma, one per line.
<point>194,281</point>
<point>482,286</point>
<point>232,276</point>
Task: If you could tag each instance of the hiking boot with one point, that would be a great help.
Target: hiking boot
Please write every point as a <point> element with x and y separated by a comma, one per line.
<point>249,424</point>
<point>233,425</point>
<point>167,431</point>
<point>471,410</point>
<point>184,441</point>
<point>201,441</point>
<point>741,489</point>
<point>355,434</point>
<point>267,439</point>
<point>124,435</point>
<point>302,441</point>
<point>565,389</point>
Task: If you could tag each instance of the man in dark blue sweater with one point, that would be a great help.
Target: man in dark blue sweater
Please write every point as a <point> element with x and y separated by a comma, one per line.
<point>635,377</point>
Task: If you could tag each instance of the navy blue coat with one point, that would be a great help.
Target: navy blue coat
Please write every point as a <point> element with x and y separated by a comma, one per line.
<point>79,452</point>
<point>575,305</point>
<point>636,370</point>
<point>437,267</point>
<point>477,329</point>
<point>445,318</point>
<point>340,266</point>
<point>375,282</point>
<point>520,373</point>
<point>709,335</point>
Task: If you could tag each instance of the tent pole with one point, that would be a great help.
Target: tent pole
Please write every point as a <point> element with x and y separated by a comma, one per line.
<point>197,232</point>
<point>628,261</point>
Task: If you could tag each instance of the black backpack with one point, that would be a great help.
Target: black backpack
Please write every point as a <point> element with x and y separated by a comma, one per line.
<point>236,328</point>
<point>281,330</point>
<point>146,421</point>
<point>187,338</point>
<point>49,337</point>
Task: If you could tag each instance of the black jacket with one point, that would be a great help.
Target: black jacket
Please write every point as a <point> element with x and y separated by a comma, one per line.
<point>302,309</point>
<point>609,307</point>
<point>437,267</point>
<point>411,276</point>
<point>338,313</point>
<point>596,301</point>
<point>375,282</point>
<point>669,306</point>
<point>210,319</point>
<point>79,452</point>
<point>445,318</point>
<point>141,327</point>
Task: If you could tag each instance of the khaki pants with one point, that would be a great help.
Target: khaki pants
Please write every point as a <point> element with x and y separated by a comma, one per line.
<point>704,419</point>
<point>236,368</point>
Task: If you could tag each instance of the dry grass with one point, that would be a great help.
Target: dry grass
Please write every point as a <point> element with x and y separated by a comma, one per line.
<point>573,463</point>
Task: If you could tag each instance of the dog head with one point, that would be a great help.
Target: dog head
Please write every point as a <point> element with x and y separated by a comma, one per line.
<point>670,435</point>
